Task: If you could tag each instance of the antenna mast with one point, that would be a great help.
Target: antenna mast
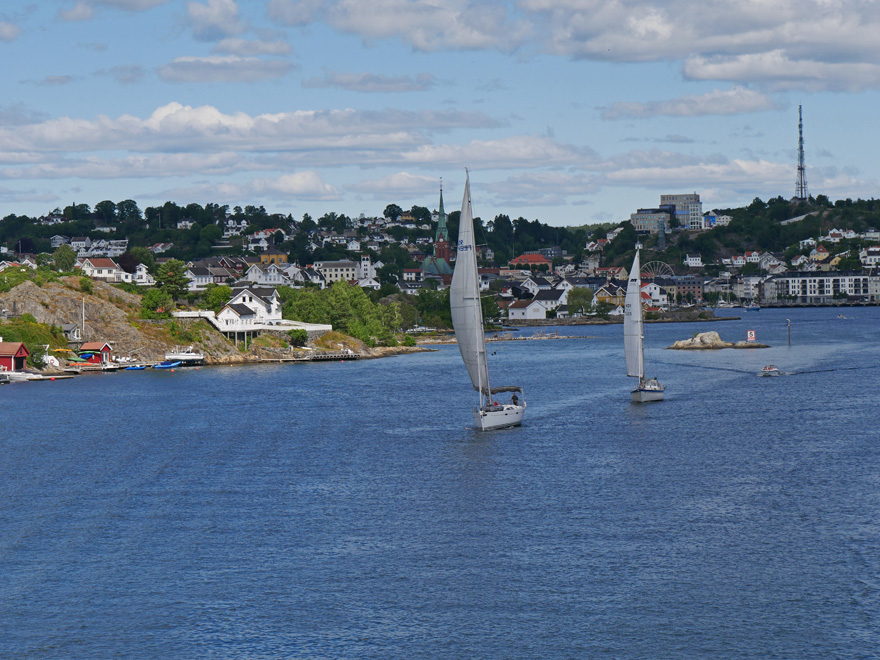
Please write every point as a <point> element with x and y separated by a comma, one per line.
<point>801,192</point>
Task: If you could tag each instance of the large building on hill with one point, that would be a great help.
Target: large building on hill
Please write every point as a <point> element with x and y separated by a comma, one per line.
<point>688,209</point>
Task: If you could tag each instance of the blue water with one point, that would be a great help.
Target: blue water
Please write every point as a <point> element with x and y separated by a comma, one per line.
<point>345,510</point>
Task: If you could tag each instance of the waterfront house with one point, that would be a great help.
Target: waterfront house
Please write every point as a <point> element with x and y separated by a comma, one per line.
<point>263,301</point>
<point>99,352</point>
<point>13,355</point>
<point>526,310</point>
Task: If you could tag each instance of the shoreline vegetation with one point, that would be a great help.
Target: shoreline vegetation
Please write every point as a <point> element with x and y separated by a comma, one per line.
<point>41,306</point>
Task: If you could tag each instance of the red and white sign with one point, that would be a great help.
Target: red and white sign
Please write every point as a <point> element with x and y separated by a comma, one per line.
<point>750,335</point>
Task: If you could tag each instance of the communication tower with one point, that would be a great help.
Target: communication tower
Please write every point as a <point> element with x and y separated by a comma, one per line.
<point>801,192</point>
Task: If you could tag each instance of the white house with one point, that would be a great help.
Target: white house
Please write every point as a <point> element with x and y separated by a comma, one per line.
<point>263,301</point>
<point>526,310</point>
<point>102,268</point>
<point>142,276</point>
<point>266,275</point>
<point>80,243</point>
<point>693,261</point>
<point>199,277</point>
<point>657,296</point>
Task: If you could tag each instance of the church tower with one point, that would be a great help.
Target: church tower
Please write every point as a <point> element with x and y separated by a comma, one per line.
<point>441,240</point>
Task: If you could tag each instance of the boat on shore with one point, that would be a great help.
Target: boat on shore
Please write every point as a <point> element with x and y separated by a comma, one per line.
<point>467,319</point>
<point>187,356</point>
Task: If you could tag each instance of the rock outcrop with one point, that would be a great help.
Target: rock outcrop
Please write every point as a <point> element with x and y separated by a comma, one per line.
<point>712,340</point>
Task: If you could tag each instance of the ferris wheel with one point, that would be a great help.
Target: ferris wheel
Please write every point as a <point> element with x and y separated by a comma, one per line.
<point>654,269</point>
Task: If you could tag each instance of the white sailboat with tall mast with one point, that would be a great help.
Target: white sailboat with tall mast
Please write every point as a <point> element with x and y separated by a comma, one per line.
<point>649,389</point>
<point>467,319</point>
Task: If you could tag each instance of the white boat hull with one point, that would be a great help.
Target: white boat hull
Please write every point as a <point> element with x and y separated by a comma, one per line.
<point>505,416</point>
<point>646,396</point>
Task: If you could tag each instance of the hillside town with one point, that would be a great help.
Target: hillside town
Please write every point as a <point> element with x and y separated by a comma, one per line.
<point>835,267</point>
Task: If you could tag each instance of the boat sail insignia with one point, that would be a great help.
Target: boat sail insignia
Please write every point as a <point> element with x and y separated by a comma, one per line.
<point>467,319</point>
<point>649,389</point>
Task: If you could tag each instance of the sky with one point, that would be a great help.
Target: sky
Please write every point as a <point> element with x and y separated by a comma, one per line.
<point>571,112</point>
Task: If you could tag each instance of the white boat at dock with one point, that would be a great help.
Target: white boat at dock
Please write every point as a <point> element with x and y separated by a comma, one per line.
<point>187,356</point>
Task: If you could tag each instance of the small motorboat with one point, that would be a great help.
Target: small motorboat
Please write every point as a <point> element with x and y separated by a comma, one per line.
<point>136,367</point>
<point>770,370</point>
<point>167,364</point>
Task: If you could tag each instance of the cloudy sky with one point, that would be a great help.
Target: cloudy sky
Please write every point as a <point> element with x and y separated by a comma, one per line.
<point>568,111</point>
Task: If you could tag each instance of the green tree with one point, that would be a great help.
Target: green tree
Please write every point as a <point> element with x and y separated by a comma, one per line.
<point>65,258</point>
<point>106,211</point>
<point>579,300</point>
<point>216,296</point>
<point>170,277</point>
<point>392,212</point>
<point>156,304</point>
<point>144,256</point>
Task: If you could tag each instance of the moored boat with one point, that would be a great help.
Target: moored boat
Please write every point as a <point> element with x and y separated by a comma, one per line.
<point>187,356</point>
<point>167,364</point>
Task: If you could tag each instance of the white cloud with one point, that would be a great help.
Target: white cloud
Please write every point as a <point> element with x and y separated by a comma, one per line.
<point>424,24</point>
<point>131,5</point>
<point>396,185</point>
<point>245,47</point>
<point>294,12</point>
<point>81,11</point>
<point>305,185</point>
<point>371,82</point>
<point>175,127</point>
<point>736,100</point>
<point>223,69</point>
<point>511,152</point>
<point>777,70</point>
<point>787,44</point>
<point>215,19</point>
<point>8,31</point>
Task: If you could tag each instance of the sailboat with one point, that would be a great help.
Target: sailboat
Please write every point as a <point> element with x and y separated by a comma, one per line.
<point>649,389</point>
<point>467,319</point>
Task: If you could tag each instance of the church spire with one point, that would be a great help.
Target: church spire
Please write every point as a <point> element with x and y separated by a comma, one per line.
<point>442,231</point>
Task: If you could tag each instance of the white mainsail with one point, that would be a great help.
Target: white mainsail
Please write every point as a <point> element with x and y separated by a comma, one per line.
<point>464,300</point>
<point>632,323</point>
